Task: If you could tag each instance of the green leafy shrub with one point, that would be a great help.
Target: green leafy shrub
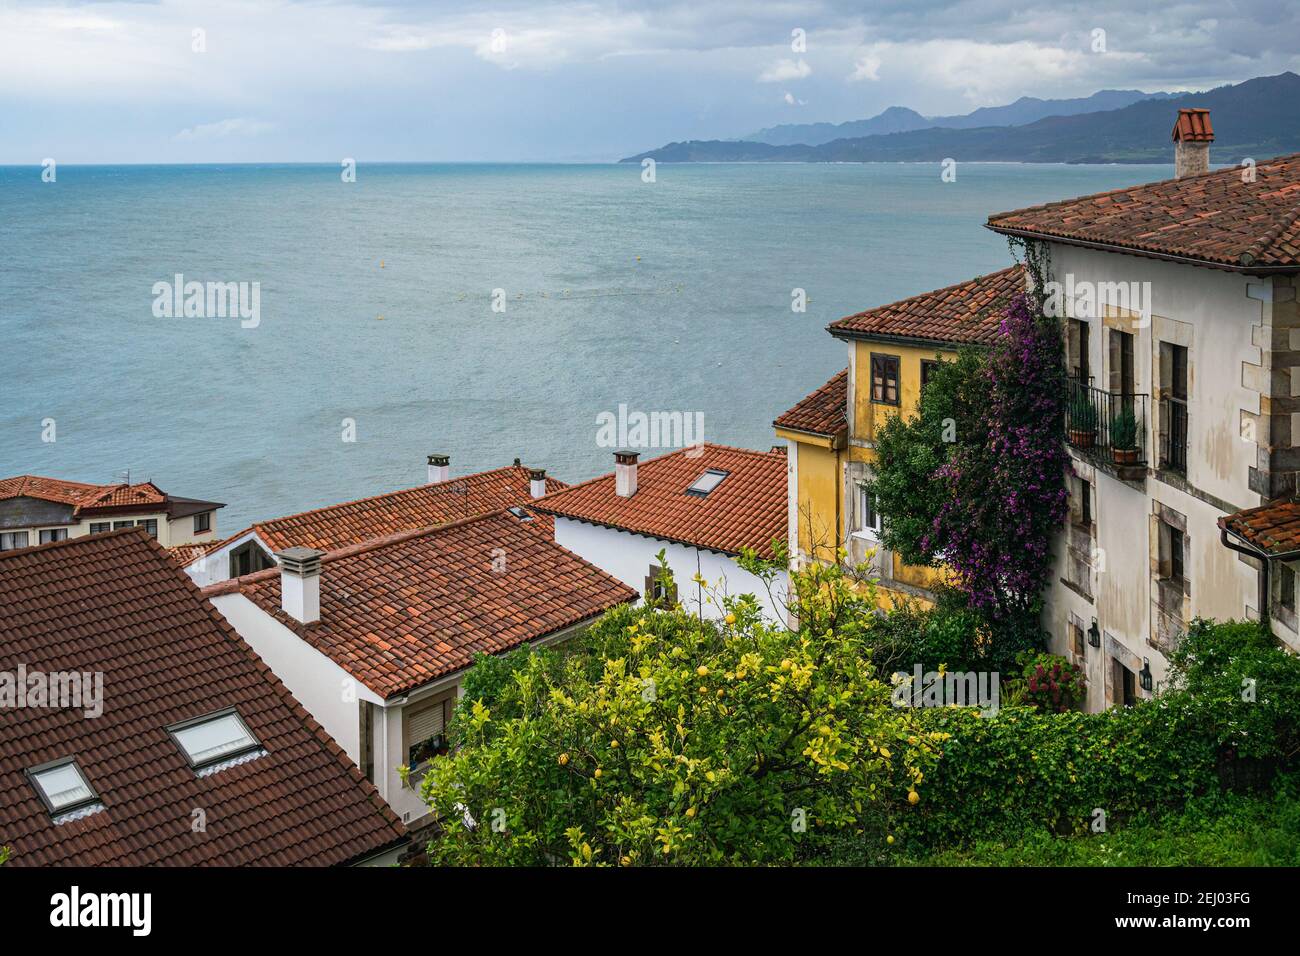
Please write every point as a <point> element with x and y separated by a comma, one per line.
<point>1124,430</point>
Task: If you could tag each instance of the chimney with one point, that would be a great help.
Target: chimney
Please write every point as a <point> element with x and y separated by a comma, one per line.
<point>300,584</point>
<point>625,473</point>
<point>439,468</point>
<point>537,482</point>
<point>1192,138</point>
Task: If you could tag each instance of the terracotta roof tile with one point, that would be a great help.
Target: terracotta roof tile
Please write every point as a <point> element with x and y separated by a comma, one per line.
<point>747,510</point>
<point>1273,528</point>
<point>337,526</point>
<point>401,611</point>
<point>824,412</point>
<point>87,500</point>
<point>1193,126</point>
<point>115,603</point>
<point>968,313</point>
<point>1215,219</point>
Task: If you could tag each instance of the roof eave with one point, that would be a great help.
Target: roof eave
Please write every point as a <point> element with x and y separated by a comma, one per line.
<point>912,340</point>
<point>1143,253</point>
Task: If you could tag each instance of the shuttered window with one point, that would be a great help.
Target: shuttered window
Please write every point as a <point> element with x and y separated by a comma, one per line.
<point>426,725</point>
<point>884,379</point>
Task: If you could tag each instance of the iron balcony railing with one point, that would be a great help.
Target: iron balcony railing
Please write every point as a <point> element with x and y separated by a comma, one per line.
<point>1111,425</point>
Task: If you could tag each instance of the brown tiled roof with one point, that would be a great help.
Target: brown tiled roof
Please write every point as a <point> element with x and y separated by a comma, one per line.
<point>1273,528</point>
<point>968,313</point>
<point>116,604</point>
<point>87,500</point>
<point>1213,219</point>
<point>824,412</point>
<point>747,510</point>
<point>46,489</point>
<point>401,611</point>
<point>351,522</point>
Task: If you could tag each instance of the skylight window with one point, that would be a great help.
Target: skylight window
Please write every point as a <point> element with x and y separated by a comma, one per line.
<point>212,739</point>
<point>520,513</point>
<point>62,786</point>
<point>707,482</point>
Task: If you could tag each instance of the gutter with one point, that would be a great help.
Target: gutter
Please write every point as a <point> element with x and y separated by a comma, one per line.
<point>1265,592</point>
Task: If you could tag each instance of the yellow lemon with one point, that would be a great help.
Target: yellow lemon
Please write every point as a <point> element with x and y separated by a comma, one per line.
<point>890,839</point>
<point>912,796</point>
<point>690,812</point>
<point>731,619</point>
<point>702,671</point>
<point>564,759</point>
<point>598,777</point>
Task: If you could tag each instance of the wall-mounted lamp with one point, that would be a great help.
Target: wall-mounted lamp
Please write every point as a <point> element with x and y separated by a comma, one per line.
<point>1144,675</point>
<point>1094,635</point>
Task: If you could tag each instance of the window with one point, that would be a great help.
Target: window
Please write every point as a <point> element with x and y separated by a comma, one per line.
<point>1173,406</point>
<point>62,786</point>
<point>1085,502</point>
<point>203,522</point>
<point>660,588</point>
<point>1076,639</point>
<point>12,540</point>
<point>927,371</point>
<point>54,534</point>
<point>247,558</point>
<point>1077,348</point>
<point>884,379</point>
<point>1121,362</point>
<point>1286,587</point>
<point>151,526</point>
<point>707,482</point>
<point>367,736</point>
<point>1176,543</point>
<point>520,513</point>
<point>214,738</point>
<point>868,517</point>
<point>426,730</point>
<point>100,527</point>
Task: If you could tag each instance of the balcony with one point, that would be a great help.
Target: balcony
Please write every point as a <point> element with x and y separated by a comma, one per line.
<point>1110,428</point>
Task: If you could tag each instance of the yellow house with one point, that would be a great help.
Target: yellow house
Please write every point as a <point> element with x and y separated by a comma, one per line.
<point>830,434</point>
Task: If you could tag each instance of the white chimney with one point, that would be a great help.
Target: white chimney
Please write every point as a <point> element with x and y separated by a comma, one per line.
<point>439,468</point>
<point>1192,138</point>
<point>537,482</point>
<point>300,584</point>
<point>625,473</point>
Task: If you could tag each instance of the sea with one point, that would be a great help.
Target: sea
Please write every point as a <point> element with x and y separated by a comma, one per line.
<point>483,311</point>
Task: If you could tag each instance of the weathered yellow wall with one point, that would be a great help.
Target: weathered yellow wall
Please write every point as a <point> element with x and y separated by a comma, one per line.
<point>867,415</point>
<point>820,519</point>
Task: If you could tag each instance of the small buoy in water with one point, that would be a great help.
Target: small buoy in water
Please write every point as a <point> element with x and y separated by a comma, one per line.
<point>638,258</point>
<point>381,263</point>
<point>379,318</point>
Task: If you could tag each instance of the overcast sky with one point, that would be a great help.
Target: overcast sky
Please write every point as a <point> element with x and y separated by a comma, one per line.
<point>321,80</point>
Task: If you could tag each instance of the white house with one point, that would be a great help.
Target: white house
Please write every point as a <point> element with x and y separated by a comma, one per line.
<point>37,510</point>
<point>374,638</point>
<point>1179,299</point>
<point>702,505</point>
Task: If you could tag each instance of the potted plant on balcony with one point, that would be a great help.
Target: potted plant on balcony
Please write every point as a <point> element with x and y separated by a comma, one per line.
<point>1081,422</point>
<point>1123,437</point>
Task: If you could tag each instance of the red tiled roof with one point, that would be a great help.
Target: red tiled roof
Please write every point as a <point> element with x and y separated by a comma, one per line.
<point>968,313</point>
<point>46,489</point>
<point>824,412</point>
<point>1214,219</point>
<point>1273,528</point>
<point>116,604</point>
<point>401,611</point>
<point>87,499</point>
<point>351,522</point>
<point>747,510</point>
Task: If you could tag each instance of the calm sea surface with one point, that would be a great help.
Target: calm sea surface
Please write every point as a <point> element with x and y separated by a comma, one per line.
<point>376,306</point>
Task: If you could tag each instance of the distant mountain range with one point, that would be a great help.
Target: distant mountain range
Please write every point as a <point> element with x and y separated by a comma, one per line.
<point>899,119</point>
<point>1258,118</point>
